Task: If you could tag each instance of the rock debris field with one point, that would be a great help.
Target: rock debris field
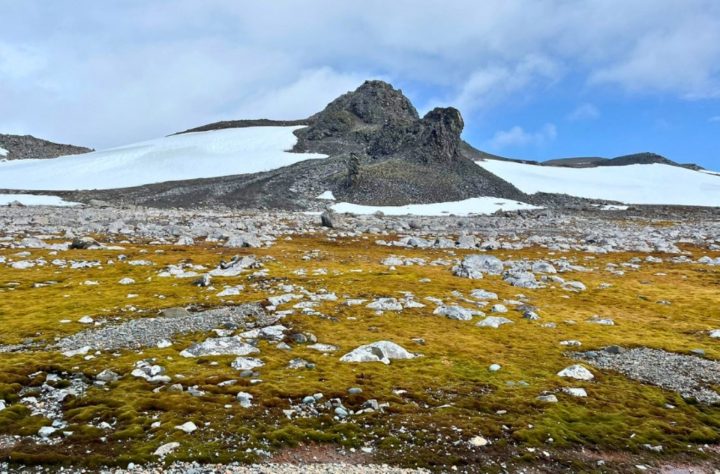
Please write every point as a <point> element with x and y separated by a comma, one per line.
<point>140,340</point>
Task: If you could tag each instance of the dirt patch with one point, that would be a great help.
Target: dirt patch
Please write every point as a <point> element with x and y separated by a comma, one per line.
<point>319,454</point>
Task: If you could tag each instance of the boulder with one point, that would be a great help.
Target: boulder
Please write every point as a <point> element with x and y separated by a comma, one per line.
<point>455,312</point>
<point>577,372</point>
<point>380,351</point>
<point>493,322</point>
<point>243,240</point>
<point>329,219</point>
<point>474,266</point>
<point>84,243</point>
<point>483,295</point>
<point>385,304</point>
<point>246,363</point>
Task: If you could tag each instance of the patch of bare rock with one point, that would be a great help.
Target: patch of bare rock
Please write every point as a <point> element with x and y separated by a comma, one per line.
<point>691,376</point>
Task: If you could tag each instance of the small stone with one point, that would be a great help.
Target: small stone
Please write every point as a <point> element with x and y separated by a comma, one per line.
<point>614,350</point>
<point>493,322</point>
<point>245,399</point>
<point>46,431</point>
<point>166,449</point>
<point>551,398</point>
<point>107,375</point>
<point>187,427</point>
<point>575,392</point>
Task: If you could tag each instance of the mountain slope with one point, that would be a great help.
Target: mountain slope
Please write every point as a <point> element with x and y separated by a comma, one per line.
<point>654,183</point>
<point>22,147</point>
<point>179,157</point>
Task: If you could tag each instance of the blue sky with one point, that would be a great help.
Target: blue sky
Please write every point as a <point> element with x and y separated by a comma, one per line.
<point>534,79</point>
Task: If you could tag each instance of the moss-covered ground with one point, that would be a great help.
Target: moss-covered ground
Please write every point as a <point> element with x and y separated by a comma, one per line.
<point>450,395</point>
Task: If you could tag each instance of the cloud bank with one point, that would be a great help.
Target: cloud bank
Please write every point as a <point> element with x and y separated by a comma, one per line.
<point>111,72</point>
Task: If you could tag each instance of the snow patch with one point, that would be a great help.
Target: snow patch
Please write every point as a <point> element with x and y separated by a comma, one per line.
<point>613,207</point>
<point>3,152</point>
<point>633,184</point>
<point>327,195</point>
<point>178,157</point>
<point>479,205</point>
<point>34,200</point>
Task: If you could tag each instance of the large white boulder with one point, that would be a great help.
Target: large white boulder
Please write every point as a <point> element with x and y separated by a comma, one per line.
<point>577,372</point>
<point>380,351</point>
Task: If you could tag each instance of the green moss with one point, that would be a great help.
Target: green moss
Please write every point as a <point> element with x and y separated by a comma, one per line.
<point>450,395</point>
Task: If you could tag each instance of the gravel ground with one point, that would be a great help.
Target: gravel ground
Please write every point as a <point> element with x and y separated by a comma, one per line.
<point>690,376</point>
<point>338,468</point>
<point>148,332</point>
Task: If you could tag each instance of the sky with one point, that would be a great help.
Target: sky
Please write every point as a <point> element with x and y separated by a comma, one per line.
<point>534,79</point>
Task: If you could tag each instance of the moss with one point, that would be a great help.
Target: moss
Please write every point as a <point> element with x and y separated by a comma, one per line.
<point>450,395</point>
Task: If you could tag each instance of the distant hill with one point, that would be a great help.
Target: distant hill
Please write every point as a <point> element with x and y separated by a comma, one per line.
<point>244,124</point>
<point>22,147</point>
<point>633,159</point>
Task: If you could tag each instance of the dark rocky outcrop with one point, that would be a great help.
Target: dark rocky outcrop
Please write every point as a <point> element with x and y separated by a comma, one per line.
<point>352,121</point>
<point>21,147</point>
<point>399,158</point>
<point>380,152</point>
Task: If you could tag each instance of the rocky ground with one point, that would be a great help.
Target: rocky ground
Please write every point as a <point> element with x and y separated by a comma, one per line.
<point>137,340</point>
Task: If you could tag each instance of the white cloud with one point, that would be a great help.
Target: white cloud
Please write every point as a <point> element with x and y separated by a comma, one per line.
<point>305,96</point>
<point>584,112</point>
<point>518,137</point>
<point>678,61</point>
<point>494,84</point>
<point>105,73</point>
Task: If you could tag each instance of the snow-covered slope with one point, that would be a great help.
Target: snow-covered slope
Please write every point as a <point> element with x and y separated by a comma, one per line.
<point>480,205</point>
<point>632,184</point>
<point>178,157</point>
<point>3,151</point>
<point>34,200</point>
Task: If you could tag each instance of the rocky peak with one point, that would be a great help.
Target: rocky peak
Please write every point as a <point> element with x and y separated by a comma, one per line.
<point>440,137</point>
<point>378,121</point>
<point>372,105</point>
<point>375,103</point>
